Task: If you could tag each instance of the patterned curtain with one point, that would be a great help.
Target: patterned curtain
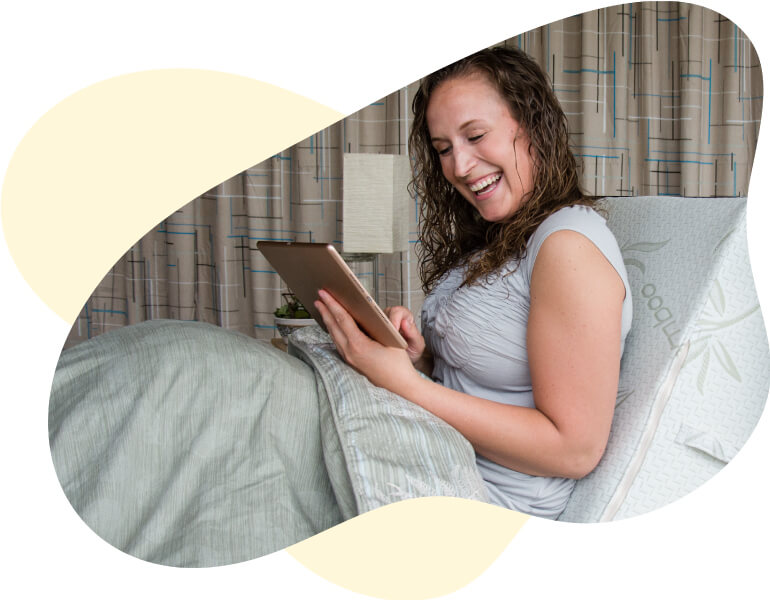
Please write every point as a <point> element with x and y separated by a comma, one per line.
<point>663,98</point>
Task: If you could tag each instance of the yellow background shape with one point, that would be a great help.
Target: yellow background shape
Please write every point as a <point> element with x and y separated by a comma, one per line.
<point>102,167</point>
<point>108,163</point>
<point>415,549</point>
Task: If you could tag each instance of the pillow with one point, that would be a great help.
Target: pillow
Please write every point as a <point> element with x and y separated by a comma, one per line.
<point>695,372</point>
<point>392,449</point>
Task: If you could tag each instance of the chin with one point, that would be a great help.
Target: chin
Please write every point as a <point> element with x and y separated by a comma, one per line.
<point>496,217</point>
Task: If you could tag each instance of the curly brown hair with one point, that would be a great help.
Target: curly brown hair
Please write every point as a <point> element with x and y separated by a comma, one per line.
<point>452,232</point>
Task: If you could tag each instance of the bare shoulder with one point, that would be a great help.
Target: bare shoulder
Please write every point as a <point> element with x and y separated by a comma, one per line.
<point>570,267</point>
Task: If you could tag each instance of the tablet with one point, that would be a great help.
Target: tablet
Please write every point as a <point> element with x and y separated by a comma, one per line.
<point>307,268</point>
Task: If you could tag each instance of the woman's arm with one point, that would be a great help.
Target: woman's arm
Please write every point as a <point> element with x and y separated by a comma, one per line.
<point>573,343</point>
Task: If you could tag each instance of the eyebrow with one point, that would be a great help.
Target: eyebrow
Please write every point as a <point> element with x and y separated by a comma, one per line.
<point>463,126</point>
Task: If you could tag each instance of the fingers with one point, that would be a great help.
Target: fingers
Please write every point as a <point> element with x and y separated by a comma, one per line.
<point>358,350</point>
<point>335,310</point>
<point>352,343</point>
<point>331,324</point>
<point>402,320</point>
<point>338,321</point>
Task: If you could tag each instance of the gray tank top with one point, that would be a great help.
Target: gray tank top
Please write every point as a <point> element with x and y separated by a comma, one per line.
<point>477,335</point>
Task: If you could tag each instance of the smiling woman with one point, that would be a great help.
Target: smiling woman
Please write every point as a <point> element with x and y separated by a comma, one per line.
<point>528,302</point>
<point>483,151</point>
<point>513,124</point>
<point>521,333</point>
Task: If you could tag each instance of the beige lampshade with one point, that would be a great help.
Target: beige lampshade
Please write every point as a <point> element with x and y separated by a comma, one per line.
<point>375,203</point>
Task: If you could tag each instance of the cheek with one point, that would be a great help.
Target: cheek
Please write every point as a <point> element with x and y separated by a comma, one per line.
<point>530,177</point>
<point>446,169</point>
<point>525,168</point>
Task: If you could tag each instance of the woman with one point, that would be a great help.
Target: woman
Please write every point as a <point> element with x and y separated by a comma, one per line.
<point>528,303</point>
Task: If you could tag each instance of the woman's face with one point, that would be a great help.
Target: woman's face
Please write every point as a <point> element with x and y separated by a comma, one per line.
<point>483,150</point>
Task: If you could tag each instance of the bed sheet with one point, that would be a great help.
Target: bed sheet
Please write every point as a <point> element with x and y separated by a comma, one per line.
<point>186,444</point>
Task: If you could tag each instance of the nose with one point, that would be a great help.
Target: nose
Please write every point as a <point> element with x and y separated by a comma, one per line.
<point>464,161</point>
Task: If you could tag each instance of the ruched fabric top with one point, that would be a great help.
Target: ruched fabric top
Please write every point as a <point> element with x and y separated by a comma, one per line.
<point>477,335</point>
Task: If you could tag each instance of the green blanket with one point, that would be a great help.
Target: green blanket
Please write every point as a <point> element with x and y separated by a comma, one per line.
<point>186,444</point>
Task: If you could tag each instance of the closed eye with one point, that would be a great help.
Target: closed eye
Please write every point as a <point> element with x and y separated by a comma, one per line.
<point>476,138</point>
<point>444,151</point>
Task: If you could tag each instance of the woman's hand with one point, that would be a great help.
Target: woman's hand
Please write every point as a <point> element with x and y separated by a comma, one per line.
<point>386,367</point>
<point>403,321</point>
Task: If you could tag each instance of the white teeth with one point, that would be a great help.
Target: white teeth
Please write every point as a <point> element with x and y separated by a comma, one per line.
<point>480,185</point>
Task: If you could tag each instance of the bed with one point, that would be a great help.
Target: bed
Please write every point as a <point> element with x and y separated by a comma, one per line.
<point>186,444</point>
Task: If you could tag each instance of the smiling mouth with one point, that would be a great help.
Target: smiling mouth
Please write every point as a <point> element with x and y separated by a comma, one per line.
<point>484,185</point>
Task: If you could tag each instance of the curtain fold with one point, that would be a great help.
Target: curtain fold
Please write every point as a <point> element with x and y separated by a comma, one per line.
<point>663,98</point>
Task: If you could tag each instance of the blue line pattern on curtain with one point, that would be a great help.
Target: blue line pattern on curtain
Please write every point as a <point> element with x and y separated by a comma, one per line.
<point>663,98</point>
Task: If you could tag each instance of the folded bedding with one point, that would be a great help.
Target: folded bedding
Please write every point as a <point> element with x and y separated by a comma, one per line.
<point>389,448</point>
<point>187,444</point>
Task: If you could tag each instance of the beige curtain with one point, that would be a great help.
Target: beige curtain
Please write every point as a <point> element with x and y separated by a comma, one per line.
<point>663,98</point>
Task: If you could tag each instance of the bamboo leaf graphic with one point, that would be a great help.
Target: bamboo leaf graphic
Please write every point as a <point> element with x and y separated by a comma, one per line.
<point>622,396</point>
<point>696,349</point>
<point>645,246</point>
<point>723,356</point>
<point>709,325</point>
<point>701,381</point>
<point>717,298</point>
<point>631,262</point>
<point>723,240</point>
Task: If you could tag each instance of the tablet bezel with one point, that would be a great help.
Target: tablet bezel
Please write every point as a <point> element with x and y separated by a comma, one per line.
<point>308,267</point>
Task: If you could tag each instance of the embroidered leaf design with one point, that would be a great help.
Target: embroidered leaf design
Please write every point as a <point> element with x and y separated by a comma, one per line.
<point>696,349</point>
<point>622,396</point>
<point>717,298</point>
<point>724,358</point>
<point>631,262</point>
<point>645,246</point>
<point>710,325</point>
<point>704,367</point>
<point>723,240</point>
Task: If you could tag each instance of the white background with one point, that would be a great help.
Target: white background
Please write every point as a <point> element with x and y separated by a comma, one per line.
<point>712,544</point>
